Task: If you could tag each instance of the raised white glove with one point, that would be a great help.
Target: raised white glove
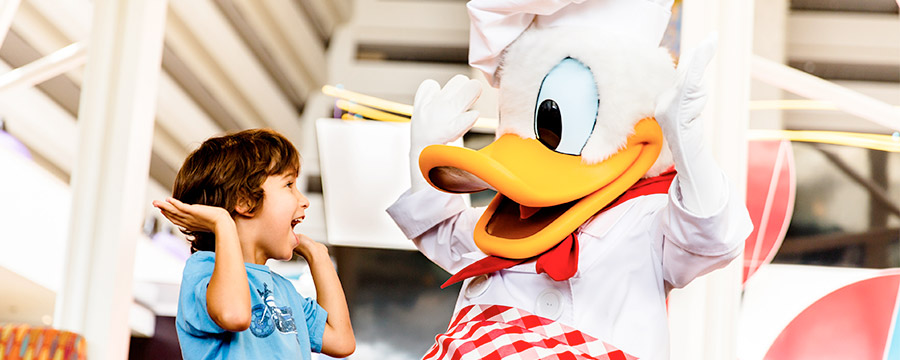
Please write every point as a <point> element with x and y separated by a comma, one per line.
<point>440,116</point>
<point>701,182</point>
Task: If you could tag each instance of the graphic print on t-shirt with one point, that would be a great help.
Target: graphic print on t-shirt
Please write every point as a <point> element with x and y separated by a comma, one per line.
<point>267,317</point>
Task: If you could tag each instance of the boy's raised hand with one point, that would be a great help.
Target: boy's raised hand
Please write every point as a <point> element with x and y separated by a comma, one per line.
<point>337,340</point>
<point>191,216</point>
<point>308,247</point>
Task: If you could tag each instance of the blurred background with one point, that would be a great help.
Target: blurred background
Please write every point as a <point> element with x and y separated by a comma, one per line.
<point>228,65</point>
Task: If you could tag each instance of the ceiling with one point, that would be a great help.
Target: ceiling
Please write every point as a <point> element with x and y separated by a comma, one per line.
<point>234,64</point>
<point>227,65</point>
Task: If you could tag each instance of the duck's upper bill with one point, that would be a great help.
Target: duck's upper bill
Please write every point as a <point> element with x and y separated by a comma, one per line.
<point>525,171</point>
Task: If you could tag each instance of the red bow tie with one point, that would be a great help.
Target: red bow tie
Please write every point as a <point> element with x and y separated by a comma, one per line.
<point>561,261</point>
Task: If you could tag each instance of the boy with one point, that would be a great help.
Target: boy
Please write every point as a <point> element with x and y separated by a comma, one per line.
<point>235,198</point>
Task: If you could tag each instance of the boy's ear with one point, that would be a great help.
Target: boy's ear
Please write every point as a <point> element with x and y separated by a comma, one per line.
<point>243,208</point>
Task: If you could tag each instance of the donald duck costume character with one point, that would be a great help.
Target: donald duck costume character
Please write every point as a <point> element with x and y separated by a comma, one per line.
<point>591,227</point>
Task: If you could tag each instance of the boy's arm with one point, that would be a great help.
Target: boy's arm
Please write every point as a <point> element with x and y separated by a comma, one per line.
<point>228,293</point>
<point>338,339</point>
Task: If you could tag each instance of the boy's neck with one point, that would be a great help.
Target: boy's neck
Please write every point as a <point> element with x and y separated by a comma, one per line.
<point>250,251</point>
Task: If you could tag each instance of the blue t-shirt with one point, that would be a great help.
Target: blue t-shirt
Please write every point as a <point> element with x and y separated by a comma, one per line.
<point>276,330</point>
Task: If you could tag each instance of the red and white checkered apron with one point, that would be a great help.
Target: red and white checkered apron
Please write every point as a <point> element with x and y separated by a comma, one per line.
<point>498,332</point>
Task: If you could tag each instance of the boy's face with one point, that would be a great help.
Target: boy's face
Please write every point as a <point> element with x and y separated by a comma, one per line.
<point>283,207</point>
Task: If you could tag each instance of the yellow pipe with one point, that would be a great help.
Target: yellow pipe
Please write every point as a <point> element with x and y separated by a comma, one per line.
<point>368,112</point>
<point>863,140</point>
<point>367,100</point>
<point>351,117</point>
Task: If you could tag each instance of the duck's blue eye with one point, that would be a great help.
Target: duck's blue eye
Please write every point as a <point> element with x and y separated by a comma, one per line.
<point>566,107</point>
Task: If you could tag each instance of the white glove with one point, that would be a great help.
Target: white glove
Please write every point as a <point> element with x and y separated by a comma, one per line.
<point>701,182</point>
<point>440,116</point>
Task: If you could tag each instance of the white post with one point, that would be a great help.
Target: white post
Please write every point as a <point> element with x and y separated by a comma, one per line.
<point>703,316</point>
<point>117,109</point>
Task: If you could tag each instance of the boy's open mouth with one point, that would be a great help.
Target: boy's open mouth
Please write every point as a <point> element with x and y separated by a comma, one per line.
<point>296,221</point>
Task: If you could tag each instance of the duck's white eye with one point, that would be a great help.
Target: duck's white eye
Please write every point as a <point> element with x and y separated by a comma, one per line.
<point>566,107</point>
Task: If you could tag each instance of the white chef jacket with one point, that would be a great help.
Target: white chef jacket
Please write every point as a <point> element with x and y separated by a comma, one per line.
<point>629,257</point>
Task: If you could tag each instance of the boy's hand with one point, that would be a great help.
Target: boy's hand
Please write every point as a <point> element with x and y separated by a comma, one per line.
<point>309,248</point>
<point>337,339</point>
<point>193,217</point>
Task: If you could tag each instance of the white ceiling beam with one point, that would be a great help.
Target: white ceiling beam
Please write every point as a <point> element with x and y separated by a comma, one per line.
<point>72,17</point>
<point>8,9</point>
<point>395,80</point>
<point>392,80</point>
<point>48,129</point>
<point>343,8</point>
<point>447,38</point>
<point>815,88</point>
<point>174,105</point>
<point>437,23</point>
<point>842,121</point>
<point>182,118</point>
<point>36,28</point>
<point>300,37</point>
<point>848,38</point>
<point>884,91</point>
<point>188,48</point>
<point>206,42</point>
<point>41,124</point>
<point>324,14</point>
<point>246,78</point>
<point>289,39</point>
<point>167,147</point>
<point>329,13</point>
<point>38,23</point>
<point>47,67</point>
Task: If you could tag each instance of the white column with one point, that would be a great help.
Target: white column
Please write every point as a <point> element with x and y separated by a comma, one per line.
<point>115,129</point>
<point>703,316</point>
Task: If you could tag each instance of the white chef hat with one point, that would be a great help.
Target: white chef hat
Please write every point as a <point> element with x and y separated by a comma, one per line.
<point>497,23</point>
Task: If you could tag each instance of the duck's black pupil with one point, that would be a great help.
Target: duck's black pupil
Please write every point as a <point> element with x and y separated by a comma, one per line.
<point>549,124</point>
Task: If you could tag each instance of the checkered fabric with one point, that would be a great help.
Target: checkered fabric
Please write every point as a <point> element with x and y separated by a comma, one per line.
<point>496,332</point>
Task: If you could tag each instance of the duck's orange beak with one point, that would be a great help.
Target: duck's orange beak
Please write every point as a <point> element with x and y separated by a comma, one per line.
<point>543,195</point>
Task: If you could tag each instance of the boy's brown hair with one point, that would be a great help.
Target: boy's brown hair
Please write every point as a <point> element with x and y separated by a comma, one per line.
<point>229,170</point>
